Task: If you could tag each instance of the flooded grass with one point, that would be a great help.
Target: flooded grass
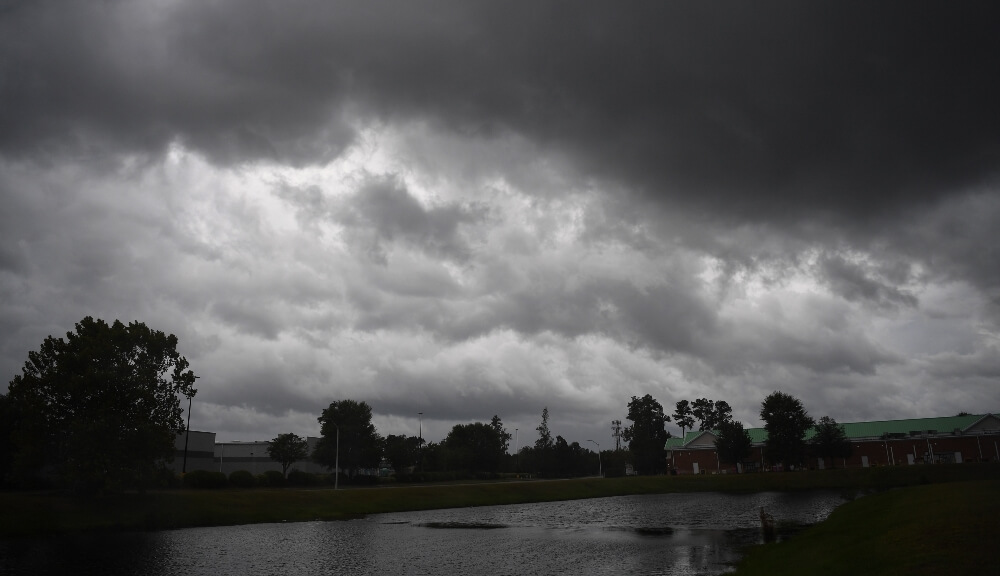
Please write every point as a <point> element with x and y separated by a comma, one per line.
<point>30,513</point>
<point>462,525</point>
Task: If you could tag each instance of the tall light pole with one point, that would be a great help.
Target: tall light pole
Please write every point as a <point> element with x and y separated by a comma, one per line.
<point>517,456</point>
<point>600,467</point>
<point>420,441</point>
<point>187,434</point>
<point>336,462</point>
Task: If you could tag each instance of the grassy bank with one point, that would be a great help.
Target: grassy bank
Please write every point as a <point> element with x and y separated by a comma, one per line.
<point>933,530</point>
<point>40,513</point>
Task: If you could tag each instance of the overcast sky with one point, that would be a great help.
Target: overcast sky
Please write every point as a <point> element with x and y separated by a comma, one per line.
<point>469,208</point>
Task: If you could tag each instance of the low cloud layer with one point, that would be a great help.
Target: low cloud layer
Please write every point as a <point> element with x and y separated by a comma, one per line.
<point>464,209</point>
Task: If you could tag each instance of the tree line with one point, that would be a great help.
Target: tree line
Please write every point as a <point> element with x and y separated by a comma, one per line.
<point>786,422</point>
<point>100,410</point>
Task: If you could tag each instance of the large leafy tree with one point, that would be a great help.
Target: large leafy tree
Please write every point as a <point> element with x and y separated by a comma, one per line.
<point>360,445</point>
<point>402,451</point>
<point>830,440</point>
<point>711,414</point>
<point>8,421</point>
<point>722,414</point>
<point>476,447</point>
<point>647,434</point>
<point>703,409</point>
<point>288,449</point>
<point>497,425</point>
<point>733,442</point>
<point>100,408</point>
<point>572,459</point>
<point>683,416</point>
<point>786,422</point>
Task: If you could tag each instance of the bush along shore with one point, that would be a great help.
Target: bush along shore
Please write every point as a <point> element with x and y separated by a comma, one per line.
<point>37,513</point>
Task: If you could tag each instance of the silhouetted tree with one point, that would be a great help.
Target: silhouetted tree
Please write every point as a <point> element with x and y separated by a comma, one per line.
<point>288,449</point>
<point>432,457</point>
<point>723,413</point>
<point>101,407</point>
<point>703,409</point>
<point>360,444</point>
<point>501,433</point>
<point>710,413</point>
<point>8,425</point>
<point>647,434</point>
<point>402,451</point>
<point>733,442</point>
<point>683,416</point>
<point>544,441</point>
<point>786,422</point>
<point>830,440</point>
<point>476,447</point>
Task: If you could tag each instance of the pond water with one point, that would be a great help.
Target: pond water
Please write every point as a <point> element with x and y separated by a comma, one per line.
<point>650,535</point>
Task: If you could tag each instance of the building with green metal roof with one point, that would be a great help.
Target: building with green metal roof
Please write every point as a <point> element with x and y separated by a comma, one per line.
<point>964,438</point>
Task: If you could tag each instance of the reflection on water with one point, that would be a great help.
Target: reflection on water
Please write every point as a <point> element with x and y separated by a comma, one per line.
<point>661,534</point>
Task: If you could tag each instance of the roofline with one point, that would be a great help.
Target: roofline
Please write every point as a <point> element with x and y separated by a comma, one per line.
<point>976,423</point>
<point>982,417</point>
<point>699,435</point>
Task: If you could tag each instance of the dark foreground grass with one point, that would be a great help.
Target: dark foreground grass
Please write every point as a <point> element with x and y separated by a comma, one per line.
<point>33,513</point>
<point>933,530</point>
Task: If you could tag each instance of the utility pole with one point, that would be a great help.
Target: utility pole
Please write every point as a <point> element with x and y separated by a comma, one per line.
<point>187,435</point>
<point>600,467</point>
<point>616,431</point>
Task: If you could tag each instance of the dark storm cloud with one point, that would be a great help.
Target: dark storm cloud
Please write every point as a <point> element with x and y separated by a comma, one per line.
<point>386,209</point>
<point>668,316</point>
<point>82,78</point>
<point>956,240</point>
<point>382,212</point>
<point>846,110</point>
<point>562,203</point>
<point>853,282</point>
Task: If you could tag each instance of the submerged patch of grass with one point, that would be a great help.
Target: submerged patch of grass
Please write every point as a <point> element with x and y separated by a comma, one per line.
<point>463,525</point>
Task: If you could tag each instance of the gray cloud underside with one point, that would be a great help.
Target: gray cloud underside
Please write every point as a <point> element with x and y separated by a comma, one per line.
<point>853,115</point>
<point>753,111</point>
<point>853,144</point>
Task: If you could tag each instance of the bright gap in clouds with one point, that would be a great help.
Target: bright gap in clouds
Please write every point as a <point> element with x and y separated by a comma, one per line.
<point>414,274</point>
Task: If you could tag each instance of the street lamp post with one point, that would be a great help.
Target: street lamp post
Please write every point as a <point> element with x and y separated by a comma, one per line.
<point>420,439</point>
<point>517,456</point>
<point>187,435</point>
<point>336,462</point>
<point>600,466</point>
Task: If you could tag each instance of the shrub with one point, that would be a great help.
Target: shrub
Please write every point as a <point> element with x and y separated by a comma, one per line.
<point>300,478</point>
<point>242,479</point>
<point>204,479</point>
<point>437,476</point>
<point>271,479</point>
<point>164,478</point>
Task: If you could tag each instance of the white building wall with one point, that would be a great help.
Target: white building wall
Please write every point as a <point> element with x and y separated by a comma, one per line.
<point>253,457</point>
<point>200,451</point>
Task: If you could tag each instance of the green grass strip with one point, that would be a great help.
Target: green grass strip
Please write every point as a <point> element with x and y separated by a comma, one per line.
<point>34,513</point>
<point>933,530</point>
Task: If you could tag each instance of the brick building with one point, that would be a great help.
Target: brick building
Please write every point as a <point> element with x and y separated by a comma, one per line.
<point>953,439</point>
